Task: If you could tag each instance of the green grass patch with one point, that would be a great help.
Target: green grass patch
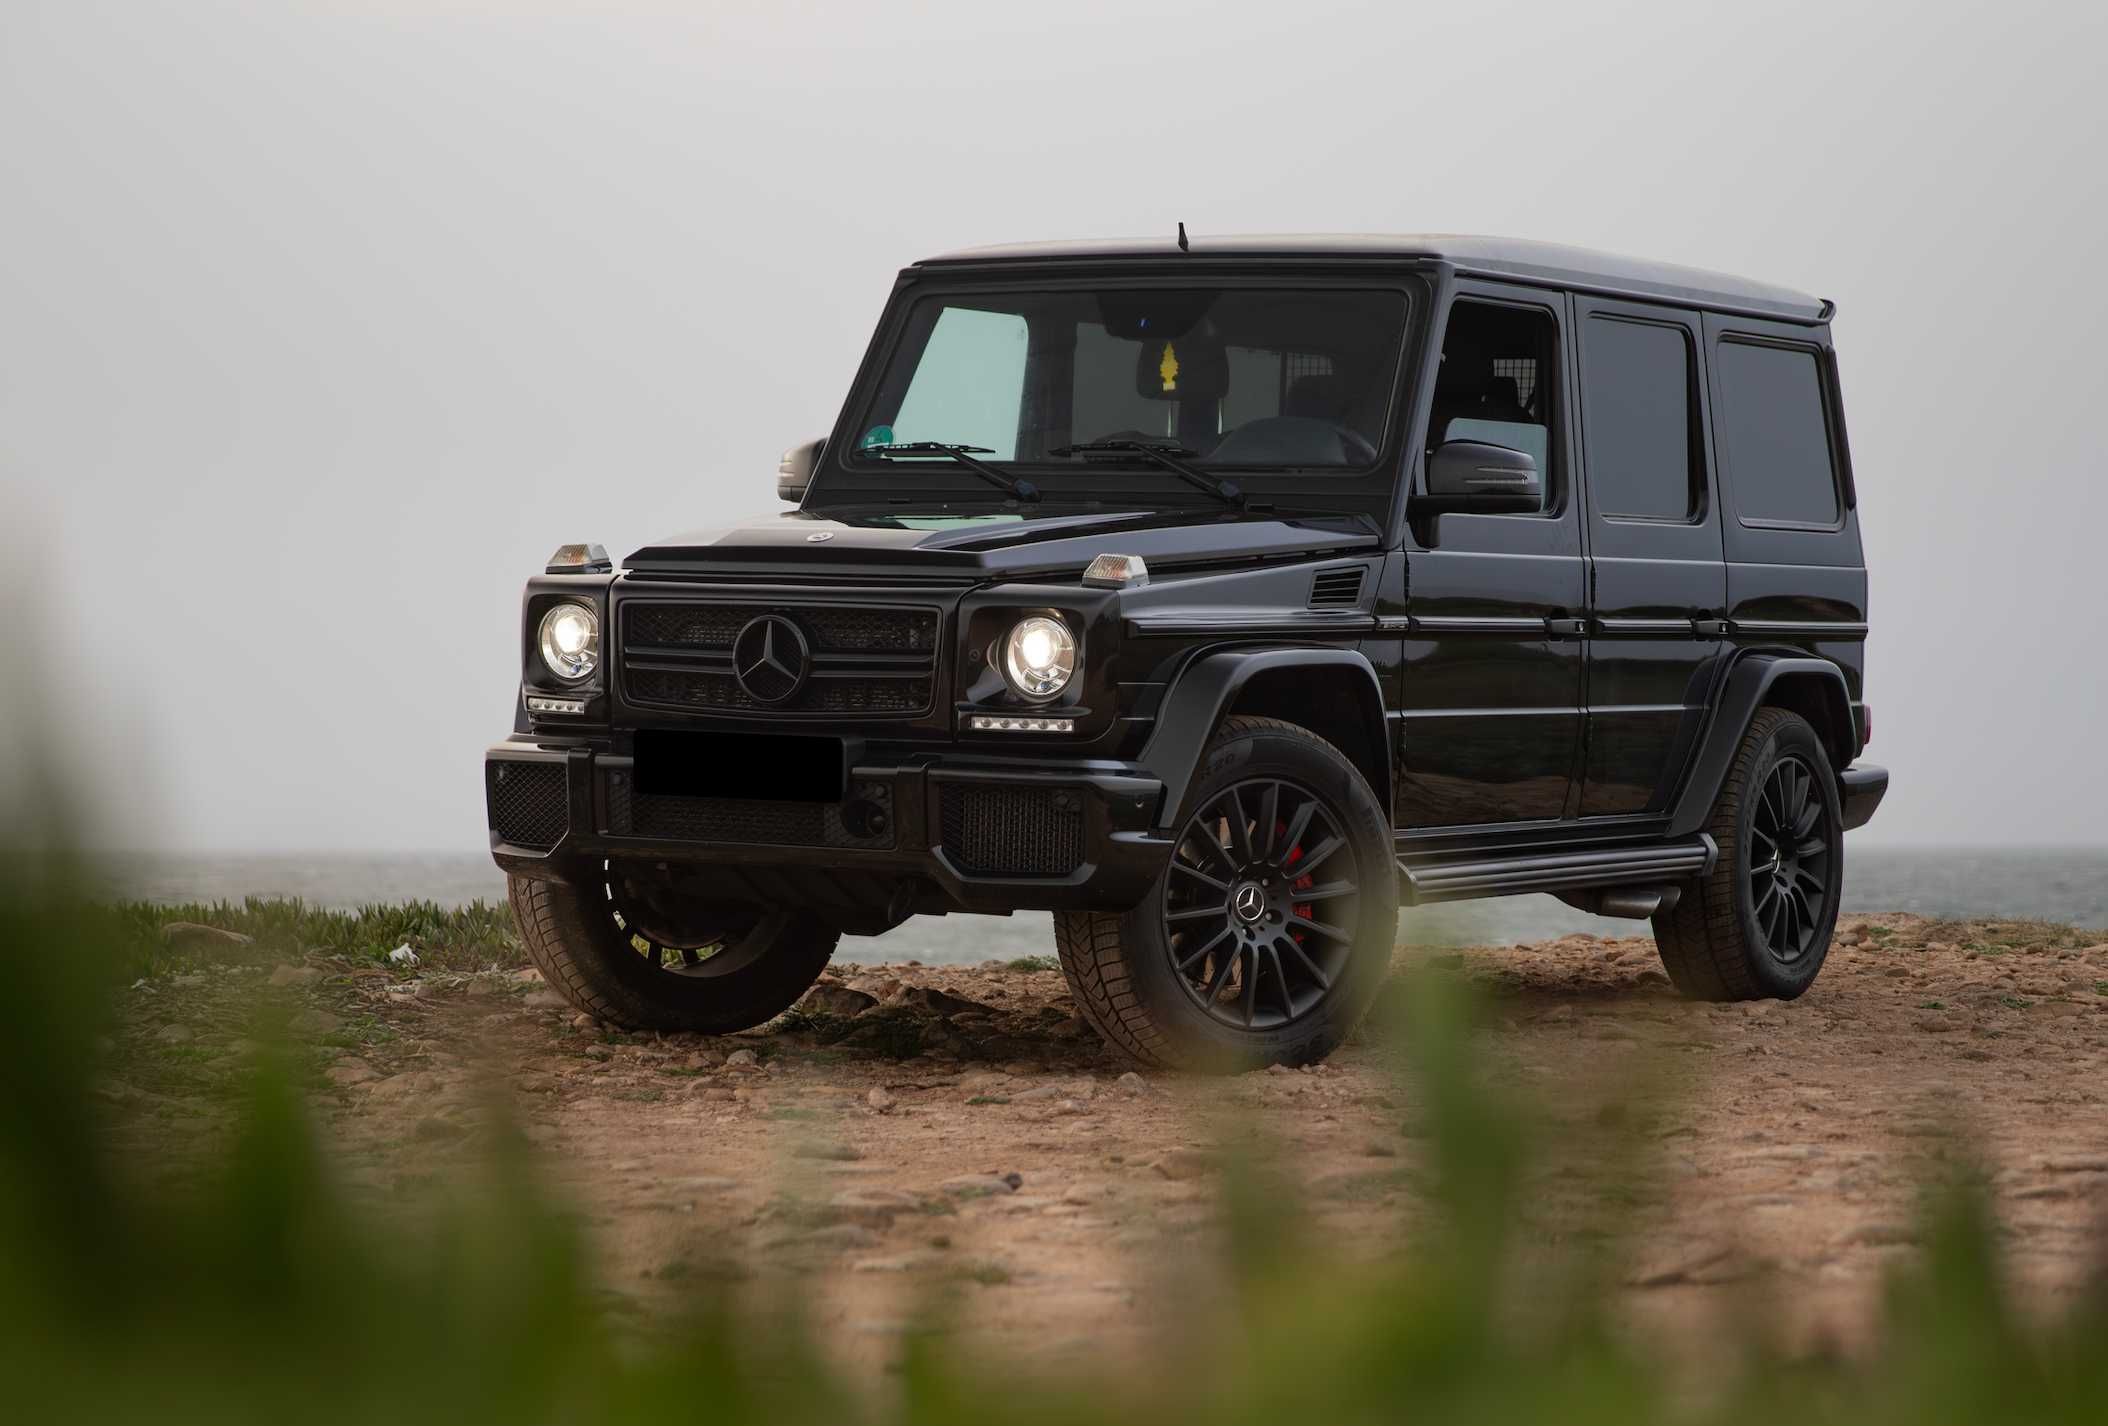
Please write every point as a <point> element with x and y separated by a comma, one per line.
<point>1033,963</point>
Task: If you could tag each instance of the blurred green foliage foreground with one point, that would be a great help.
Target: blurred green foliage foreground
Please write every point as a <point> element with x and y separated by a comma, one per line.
<point>258,1291</point>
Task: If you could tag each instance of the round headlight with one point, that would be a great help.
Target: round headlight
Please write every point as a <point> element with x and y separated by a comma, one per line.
<point>571,641</point>
<point>1039,657</point>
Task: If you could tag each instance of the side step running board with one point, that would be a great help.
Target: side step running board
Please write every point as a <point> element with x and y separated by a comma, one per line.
<point>1661,864</point>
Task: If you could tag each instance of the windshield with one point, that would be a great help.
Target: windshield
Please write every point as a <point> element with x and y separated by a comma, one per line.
<point>1230,376</point>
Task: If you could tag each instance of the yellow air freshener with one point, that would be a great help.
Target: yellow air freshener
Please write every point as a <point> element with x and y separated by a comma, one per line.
<point>1168,368</point>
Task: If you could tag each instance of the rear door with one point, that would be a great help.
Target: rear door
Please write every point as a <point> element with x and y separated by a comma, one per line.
<point>1659,588</point>
<point>1491,691</point>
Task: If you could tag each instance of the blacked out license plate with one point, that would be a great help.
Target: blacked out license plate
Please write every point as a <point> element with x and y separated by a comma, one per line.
<point>774,767</point>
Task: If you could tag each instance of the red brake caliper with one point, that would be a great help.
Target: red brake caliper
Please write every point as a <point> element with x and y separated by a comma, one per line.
<point>1295,854</point>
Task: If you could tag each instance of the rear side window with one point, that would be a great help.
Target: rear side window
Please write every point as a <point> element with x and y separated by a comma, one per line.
<point>1636,425</point>
<point>1775,440</point>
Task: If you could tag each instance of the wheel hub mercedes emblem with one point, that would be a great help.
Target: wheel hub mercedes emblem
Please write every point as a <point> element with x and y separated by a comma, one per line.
<point>1250,902</point>
<point>770,658</point>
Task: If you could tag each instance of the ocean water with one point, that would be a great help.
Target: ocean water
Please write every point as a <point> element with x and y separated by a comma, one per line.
<point>2049,884</point>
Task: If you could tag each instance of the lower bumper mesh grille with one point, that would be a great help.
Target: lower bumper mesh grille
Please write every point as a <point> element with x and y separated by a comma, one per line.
<point>1012,831</point>
<point>529,802</point>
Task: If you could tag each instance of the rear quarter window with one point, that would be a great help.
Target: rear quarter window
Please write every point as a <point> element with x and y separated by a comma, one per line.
<point>1775,435</point>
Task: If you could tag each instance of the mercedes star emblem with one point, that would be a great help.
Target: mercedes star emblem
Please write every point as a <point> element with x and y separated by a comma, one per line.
<point>770,658</point>
<point>1250,902</point>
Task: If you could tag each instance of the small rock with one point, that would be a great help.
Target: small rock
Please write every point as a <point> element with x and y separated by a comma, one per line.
<point>193,933</point>
<point>546,1000</point>
<point>403,956</point>
<point>742,1060</point>
<point>349,1071</point>
<point>582,1021</point>
<point>2085,1165</point>
<point>1083,1193</point>
<point>173,1034</point>
<point>1182,1163</point>
<point>837,1000</point>
<point>529,976</point>
<point>1036,1094</point>
<point>1278,1068</point>
<point>982,1185</point>
<point>938,1002</point>
<point>316,1022</point>
<point>408,990</point>
<point>880,1100</point>
<point>907,1262</point>
<point>1133,1084</point>
<point>479,988</point>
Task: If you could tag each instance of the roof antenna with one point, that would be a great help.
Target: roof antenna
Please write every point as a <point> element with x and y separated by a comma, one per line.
<point>1182,244</point>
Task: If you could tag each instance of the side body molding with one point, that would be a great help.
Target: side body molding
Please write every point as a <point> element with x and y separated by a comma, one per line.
<point>1744,692</point>
<point>1209,688</point>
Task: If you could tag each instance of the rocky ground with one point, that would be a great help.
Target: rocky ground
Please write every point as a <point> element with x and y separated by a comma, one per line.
<point>917,1133</point>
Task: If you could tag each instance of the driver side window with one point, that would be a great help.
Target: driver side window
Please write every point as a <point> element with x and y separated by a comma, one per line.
<point>1499,384</point>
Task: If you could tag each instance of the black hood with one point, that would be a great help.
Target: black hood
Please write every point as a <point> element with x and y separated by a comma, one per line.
<point>973,546</point>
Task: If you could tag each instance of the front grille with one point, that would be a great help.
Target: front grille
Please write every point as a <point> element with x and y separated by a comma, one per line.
<point>741,821</point>
<point>528,802</point>
<point>992,830</point>
<point>863,660</point>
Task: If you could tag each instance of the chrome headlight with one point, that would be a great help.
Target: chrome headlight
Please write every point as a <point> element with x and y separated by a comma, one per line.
<point>570,640</point>
<point>1039,657</point>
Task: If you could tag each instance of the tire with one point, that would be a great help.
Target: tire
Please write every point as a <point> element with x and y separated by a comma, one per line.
<point>733,968</point>
<point>1759,926</point>
<point>1284,985</point>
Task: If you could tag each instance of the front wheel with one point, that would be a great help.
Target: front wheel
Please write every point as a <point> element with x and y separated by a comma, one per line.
<point>1759,926</point>
<point>621,942</point>
<point>1270,931</point>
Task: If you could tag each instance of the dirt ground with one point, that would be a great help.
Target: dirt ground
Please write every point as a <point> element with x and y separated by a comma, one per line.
<point>915,1130</point>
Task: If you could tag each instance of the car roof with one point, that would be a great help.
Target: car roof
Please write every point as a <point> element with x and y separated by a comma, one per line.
<point>1521,258</point>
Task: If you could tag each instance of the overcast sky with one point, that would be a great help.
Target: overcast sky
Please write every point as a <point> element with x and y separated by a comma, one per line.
<point>320,325</point>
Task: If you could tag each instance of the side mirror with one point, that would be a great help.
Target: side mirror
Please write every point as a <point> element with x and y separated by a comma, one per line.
<point>794,471</point>
<point>1471,477</point>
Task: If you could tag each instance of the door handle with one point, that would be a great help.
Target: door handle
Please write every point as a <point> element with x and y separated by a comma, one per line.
<point>1566,628</point>
<point>1709,628</point>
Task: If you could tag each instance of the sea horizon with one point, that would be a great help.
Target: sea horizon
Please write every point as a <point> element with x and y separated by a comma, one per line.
<point>2048,883</point>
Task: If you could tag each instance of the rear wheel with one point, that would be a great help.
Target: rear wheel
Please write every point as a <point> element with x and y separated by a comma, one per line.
<point>1759,926</point>
<point>1266,937</point>
<point>624,944</point>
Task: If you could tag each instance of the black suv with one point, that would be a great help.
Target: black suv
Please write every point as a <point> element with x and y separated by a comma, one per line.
<point>1219,600</point>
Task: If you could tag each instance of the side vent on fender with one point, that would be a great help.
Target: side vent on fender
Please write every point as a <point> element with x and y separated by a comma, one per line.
<point>1338,588</point>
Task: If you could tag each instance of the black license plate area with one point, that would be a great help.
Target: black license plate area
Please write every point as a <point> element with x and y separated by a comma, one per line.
<point>765,767</point>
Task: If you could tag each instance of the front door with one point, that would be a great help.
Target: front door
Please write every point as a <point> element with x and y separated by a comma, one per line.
<point>1660,587</point>
<point>1491,691</point>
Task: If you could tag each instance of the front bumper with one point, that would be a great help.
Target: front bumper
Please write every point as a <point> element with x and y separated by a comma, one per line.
<point>1859,791</point>
<point>920,832</point>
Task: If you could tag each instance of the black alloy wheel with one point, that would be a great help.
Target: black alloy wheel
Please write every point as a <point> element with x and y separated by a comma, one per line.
<point>1791,864</point>
<point>680,937</point>
<point>1260,909</point>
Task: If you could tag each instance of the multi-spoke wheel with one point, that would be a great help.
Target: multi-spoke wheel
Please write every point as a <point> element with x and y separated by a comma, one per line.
<point>1759,925</point>
<point>1789,872</point>
<point>1259,911</point>
<point>1271,927</point>
<point>623,942</point>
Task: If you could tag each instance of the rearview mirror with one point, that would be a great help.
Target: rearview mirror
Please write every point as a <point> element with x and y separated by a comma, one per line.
<point>794,471</point>
<point>1471,477</point>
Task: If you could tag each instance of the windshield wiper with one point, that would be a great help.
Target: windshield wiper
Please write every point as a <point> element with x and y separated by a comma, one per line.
<point>1165,457</point>
<point>1022,490</point>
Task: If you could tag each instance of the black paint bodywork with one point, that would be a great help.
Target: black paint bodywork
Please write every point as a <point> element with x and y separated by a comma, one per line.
<point>1544,703</point>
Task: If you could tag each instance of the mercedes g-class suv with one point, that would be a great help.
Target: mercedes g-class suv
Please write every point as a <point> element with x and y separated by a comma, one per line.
<point>1220,599</point>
